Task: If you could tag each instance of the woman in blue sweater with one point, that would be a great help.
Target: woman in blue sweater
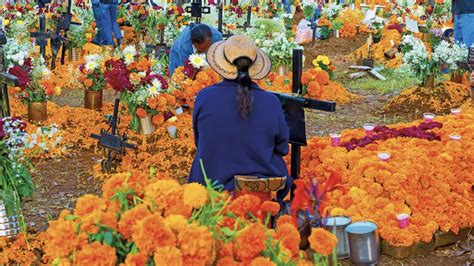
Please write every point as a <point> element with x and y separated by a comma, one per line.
<point>239,129</point>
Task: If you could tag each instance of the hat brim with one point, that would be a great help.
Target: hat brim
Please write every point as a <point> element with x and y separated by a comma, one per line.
<point>216,59</point>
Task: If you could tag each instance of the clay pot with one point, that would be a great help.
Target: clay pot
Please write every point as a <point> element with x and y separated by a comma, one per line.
<point>37,111</point>
<point>92,99</point>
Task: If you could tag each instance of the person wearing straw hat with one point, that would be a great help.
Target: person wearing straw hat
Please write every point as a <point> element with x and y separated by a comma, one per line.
<point>239,129</point>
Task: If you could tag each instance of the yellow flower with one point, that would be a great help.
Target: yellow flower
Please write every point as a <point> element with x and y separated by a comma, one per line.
<point>57,90</point>
<point>20,22</point>
<point>195,195</point>
<point>6,22</point>
<point>324,59</point>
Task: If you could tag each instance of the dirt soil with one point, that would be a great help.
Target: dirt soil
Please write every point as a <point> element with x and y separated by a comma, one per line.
<point>58,185</point>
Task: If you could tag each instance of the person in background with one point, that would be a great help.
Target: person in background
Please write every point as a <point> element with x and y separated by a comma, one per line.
<point>195,38</point>
<point>463,14</point>
<point>109,9</point>
<point>239,129</point>
<point>98,16</point>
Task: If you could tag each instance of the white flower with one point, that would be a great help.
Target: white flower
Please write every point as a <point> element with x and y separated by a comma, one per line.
<point>129,54</point>
<point>154,89</point>
<point>198,60</point>
<point>91,65</point>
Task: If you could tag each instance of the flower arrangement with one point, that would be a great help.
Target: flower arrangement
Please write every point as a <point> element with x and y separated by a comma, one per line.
<point>332,10</point>
<point>322,62</point>
<point>92,75</point>
<point>235,20</point>
<point>449,54</point>
<point>417,59</point>
<point>189,79</point>
<point>15,181</point>
<point>279,49</point>
<point>376,26</point>
<point>309,7</point>
<point>32,80</point>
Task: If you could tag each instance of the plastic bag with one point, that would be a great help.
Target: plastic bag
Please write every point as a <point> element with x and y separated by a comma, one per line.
<point>304,33</point>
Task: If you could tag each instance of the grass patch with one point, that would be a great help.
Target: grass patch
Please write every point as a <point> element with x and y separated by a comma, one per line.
<point>395,82</point>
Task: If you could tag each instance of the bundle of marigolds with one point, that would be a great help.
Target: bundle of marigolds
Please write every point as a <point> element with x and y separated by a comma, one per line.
<point>144,218</point>
<point>429,179</point>
<point>316,84</point>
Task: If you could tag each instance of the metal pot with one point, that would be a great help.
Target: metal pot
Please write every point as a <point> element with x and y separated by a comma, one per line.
<point>338,224</point>
<point>282,70</point>
<point>364,243</point>
<point>9,225</point>
<point>146,125</point>
<point>93,99</point>
<point>37,111</point>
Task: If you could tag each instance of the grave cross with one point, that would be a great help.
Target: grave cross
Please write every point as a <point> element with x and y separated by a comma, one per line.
<point>294,113</point>
<point>111,142</point>
<point>368,65</point>
<point>41,36</point>
<point>197,9</point>
<point>314,25</point>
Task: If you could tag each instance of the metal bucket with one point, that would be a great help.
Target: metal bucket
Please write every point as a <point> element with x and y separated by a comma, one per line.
<point>9,225</point>
<point>364,243</point>
<point>338,225</point>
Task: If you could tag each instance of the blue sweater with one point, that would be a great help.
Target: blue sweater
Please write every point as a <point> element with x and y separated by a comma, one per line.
<point>229,145</point>
<point>182,47</point>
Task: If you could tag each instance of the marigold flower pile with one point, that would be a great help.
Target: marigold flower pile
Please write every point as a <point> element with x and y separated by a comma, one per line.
<point>430,180</point>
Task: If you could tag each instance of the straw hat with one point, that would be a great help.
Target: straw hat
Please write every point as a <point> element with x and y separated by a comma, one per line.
<point>221,55</point>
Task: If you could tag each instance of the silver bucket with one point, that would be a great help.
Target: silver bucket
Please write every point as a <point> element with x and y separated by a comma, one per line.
<point>9,225</point>
<point>337,225</point>
<point>364,243</point>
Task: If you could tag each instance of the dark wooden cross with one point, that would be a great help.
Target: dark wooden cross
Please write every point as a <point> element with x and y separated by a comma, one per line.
<point>41,36</point>
<point>197,9</point>
<point>314,25</point>
<point>294,113</point>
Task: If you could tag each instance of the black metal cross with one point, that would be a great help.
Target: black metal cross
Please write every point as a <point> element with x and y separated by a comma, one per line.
<point>41,36</point>
<point>197,9</point>
<point>314,25</point>
<point>112,143</point>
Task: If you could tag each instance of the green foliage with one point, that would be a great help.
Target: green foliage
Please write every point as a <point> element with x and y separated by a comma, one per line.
<point>395,82</point>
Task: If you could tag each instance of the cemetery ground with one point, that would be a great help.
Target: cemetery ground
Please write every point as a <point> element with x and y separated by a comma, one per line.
<point>60,182</point>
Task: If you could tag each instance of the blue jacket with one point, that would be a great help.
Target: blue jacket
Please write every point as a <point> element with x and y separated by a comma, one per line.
<point>229,145</point>
<point>182,47</point>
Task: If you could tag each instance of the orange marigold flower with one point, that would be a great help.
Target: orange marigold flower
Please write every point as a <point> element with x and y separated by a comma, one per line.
<point>285,219</point>
<point>88,83</point>
<point>88,204</point>
<point>130,217</point>
<point>195,195</point>
<point>151,233</point>
<point>168,256</point>
<point>270,207</point>
<point>322,241</point>
<point>197,245</point>
<point>95,254</point>
<point>250,242</point>
<point>262,261</point>
<point>225,249</point>
<point>322,77</point>
<point>138,259</point>
<point>152,102</point>
<point>141,112</point>
<point>158,119</point>
<point>290,238</point>
<point>306,77</point>
<point>314,89</point>
<point>176,223</point>
<point>228,261</point>
<point>243,204</point>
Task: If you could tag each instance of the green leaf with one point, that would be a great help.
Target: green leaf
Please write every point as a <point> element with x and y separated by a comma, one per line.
<point>227,231</point>
<point>70,217</point>
<point>108,238</point>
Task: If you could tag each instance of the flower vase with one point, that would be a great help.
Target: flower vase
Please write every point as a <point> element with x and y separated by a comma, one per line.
<point>92,99</point>
<point>146,125</point>
<point>282,70</point>
<point>336,33</point>
<point>457,78</point>
<point>74,54</point>
<point>37,111</point>
<point>9,225</point>
<point>429,82</point>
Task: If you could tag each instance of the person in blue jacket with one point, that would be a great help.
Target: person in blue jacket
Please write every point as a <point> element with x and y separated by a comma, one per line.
<point>195,38</point>
<point>239,129</point>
